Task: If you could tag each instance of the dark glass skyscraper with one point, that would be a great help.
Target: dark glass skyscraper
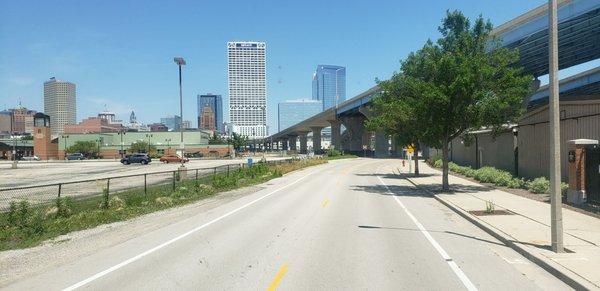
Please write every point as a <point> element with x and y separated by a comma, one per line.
<point>210,112</point>
<point>328,83</point>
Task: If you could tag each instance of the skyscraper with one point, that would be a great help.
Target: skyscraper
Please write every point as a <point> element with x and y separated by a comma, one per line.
<point>294,111</point>
<point>60,104</point>
<point>173,122</point>
<point>210,112</point>
<point>329,83</point>
<point>247,87</point>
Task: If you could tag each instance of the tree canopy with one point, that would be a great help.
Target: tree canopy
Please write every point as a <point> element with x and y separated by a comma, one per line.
<point>237,141</point>
<point>461,82</point>
<point>142,147</point>
<point>87,148</point>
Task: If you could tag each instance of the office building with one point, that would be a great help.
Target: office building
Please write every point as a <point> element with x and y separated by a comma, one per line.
<point>5,122</point>
<point>210,112</point>
<point>60,104</point>
<point>329,85</point>
<point>247,88</point>
<point>186,124</point>
<point>22,120</point>
<point>173,122</point>
<point>294,111</point>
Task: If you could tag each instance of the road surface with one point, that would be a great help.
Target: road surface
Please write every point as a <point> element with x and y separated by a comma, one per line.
<point>346,225</point>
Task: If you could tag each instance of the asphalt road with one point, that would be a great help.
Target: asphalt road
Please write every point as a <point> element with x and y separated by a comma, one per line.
<point>347,225</point>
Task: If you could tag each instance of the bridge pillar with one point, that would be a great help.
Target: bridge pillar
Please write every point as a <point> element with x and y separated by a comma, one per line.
<point>284,144</point>
<point>303,141</point>
<point>316,139</point>
<point>381,144</point>
<point>293,140</point>
<point>353,136</point>
<point>336,134</point>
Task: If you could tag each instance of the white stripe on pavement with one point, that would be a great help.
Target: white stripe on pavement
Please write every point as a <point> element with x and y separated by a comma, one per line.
<point>459,273</point>
<point>154,249</point>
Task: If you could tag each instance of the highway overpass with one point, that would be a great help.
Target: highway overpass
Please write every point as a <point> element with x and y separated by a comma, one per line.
<point>579,42</point>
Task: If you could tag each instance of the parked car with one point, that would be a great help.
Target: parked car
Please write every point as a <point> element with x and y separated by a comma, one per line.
<point>141,158</point>
<point>31,158</point>
<point>173,159</point>
<point>76,156</point>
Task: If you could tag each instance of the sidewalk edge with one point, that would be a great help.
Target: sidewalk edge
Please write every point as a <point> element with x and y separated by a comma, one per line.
<point>565,275</point>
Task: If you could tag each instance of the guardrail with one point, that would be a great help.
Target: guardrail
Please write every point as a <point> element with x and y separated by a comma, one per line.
<point>82,189</point>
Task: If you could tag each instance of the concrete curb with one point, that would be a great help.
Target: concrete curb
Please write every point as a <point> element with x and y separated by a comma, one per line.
<point>570,278</point>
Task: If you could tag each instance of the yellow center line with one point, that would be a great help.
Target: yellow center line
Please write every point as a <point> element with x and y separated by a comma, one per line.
<point>325,202</point>
<point>278,278</point>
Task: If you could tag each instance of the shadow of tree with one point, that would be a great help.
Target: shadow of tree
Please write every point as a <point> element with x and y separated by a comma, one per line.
<point>435,231</point>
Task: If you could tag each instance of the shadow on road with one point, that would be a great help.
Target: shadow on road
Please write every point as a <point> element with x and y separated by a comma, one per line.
<point>396,190</point>
<point>436,231</point>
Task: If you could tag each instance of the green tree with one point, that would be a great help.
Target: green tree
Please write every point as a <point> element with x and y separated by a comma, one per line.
<point>237,141</point>
<point>393,114</point>
<point>142,147</point>
<point>464,81</point>
<point>216,139</point>
<point>87,148</point>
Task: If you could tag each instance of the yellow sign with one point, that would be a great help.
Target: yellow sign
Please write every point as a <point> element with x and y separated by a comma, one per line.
<point>410,149</point>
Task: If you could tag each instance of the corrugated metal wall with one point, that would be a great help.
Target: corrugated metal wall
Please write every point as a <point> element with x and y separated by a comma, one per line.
<point>579,119</point>
<point>533,135</point>
<point>493,151</point>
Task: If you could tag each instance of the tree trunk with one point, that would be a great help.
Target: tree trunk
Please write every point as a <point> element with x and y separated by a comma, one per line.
<point>445,184</point>
<point>416,158</point>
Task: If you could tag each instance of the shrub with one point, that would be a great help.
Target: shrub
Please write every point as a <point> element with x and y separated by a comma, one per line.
<point>539,185</point>
<point>489,207</point>
<point>164,201</point>
<point>563,188</point>
<point>516,183</point>
<point>105,199</point>
<point>116,203</point>
<point>438,163</point>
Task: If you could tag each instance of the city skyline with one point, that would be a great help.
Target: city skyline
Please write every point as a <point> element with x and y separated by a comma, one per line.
<point>103,59</point>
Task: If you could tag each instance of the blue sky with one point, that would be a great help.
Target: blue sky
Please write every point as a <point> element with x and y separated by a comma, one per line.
<point>120,53</point>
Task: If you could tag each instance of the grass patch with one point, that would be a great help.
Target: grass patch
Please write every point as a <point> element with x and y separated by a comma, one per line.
<point>25,225</point>
<point>333,154</point>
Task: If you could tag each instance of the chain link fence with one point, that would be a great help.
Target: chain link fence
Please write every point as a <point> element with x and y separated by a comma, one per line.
<point>86,189</point>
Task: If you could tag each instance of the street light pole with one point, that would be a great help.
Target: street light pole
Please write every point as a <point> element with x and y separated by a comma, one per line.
<point>180,62</point>
<point>553,110</point>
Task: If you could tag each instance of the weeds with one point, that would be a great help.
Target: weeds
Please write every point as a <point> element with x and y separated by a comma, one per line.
<point>489,207</point>
<point>24,225</point>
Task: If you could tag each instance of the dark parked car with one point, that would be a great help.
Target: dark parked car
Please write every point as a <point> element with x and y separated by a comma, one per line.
<point>76,156</point>
<point>143,159</point>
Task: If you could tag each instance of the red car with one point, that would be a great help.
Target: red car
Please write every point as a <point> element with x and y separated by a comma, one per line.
<point>173,159</point>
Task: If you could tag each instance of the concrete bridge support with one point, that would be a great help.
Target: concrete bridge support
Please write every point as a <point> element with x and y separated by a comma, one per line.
<point>284,144</point>
<point>293,141</point>
<point>336,134</point>
<point>381,145</point>
<point>353,141</point>
<point>303,142</point>
<point>316,139</point>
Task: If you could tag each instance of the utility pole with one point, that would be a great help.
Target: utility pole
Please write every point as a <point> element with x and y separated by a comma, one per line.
<point>553,111</point>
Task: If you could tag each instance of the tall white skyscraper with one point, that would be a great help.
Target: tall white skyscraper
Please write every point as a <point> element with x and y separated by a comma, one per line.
<point>247,88</point>
<point>60,104</point>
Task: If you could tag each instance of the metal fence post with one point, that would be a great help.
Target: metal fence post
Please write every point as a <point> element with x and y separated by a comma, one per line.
<point>215,171</point>
<point>108,185</point>
<point>173,180</point>
<point>59,189</point>
<point>145,184</point>
<point>196,174</point>
<point>227,170</point>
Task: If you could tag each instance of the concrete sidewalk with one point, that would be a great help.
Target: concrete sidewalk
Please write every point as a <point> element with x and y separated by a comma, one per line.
<point>527,230</point>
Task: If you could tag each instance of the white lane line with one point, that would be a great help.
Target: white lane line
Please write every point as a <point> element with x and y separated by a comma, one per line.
<point>459,273</point>
<point>154,249</point>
